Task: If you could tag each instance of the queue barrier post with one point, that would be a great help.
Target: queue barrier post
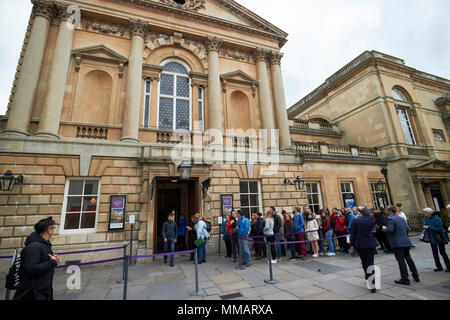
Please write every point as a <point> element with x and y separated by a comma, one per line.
<point>269,254</point>
<point>123,263</point>
<point>197,292</point>
<point>13,259</point>
<point>125,285</point>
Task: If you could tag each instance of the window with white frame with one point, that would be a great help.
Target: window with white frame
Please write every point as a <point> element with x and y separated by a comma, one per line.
<point>80,205</point>
<point>201,103</point>
<point>314,196</point>
<point>406,126</point>
<point>250,193</point>
<point>147,99</point>
<point>347,191</point>
<point>378,197</point>
<point>174,112</point>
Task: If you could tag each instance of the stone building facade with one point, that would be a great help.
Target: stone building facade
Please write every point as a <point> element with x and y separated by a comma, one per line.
<point>98,111</point>
<point>399,117</point>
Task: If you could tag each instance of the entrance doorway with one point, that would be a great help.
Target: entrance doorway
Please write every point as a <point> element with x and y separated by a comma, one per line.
<point>436,195</point>
<point>179,197</point>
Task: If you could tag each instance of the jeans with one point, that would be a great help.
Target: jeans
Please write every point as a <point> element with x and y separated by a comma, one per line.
<point>402,255</point>
<point>245,255</point>
<point>330,241</point>
<point>234,246</point>
<point>228,246</point>
<point>320,242</point>
<point>441,247</point>
<point>292,248</point>
<point>202,253</point>
<point>277,239</point>
<point>169,245</point>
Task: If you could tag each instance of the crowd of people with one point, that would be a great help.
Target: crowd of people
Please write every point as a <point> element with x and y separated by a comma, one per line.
<point>360,230</point>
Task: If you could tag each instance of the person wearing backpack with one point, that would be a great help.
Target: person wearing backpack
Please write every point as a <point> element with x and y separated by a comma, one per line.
<point>200,228</point>
<point>38,264</point>
<point>437,233</point>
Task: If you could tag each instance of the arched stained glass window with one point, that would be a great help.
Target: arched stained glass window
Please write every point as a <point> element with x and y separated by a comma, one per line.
<point>174,98</point>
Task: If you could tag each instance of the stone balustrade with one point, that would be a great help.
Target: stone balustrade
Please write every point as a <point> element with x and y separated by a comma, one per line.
<point>92,132</point>
<point>314,126</point>
<point>325,150</point>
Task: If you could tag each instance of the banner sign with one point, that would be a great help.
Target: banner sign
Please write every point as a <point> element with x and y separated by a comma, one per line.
<point>117,213</point>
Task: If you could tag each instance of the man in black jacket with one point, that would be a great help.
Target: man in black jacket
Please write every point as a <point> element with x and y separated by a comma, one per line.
<point>381,219</point>
<point>38,263</point>
<point>259,231</point>
<point>169,234</point>
<point>277,224</point>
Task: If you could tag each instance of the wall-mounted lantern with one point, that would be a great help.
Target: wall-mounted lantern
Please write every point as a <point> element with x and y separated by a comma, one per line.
<point>8,181</point>
<point>185,170</point>
<point>299,183</point>
<point>205,186</point>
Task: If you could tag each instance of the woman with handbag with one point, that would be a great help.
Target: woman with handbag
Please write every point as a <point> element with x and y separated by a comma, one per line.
<point>438,238</point>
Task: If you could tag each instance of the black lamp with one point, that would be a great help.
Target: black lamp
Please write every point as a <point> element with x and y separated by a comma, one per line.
<point>299,183</point>
<point>185,170</point>
<point>380,186</point>
<point>8,181</point>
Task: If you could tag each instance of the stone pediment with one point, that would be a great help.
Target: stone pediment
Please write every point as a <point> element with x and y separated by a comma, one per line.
<point>99,53</point>
<point>239,76</point>
<point>223,12</point>
<point>433,164</point>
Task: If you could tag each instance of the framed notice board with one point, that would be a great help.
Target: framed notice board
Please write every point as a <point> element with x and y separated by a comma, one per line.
<point>117,213</point>
<point>226,201</point>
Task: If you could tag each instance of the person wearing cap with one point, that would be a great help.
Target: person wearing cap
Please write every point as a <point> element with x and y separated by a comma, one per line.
<point>39,263</point>
<point>397,230</point>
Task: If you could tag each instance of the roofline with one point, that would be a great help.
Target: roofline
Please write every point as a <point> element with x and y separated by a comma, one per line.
<point>350,69</point>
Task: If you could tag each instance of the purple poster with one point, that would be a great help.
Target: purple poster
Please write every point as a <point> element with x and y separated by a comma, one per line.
<point>227,204</point>
<point>117,213</point>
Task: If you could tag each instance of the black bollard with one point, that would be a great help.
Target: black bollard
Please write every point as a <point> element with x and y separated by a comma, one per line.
<point>197,292</point>
<point>271,280</point>
<point>131,243</point>
<point>125,285</point>
<point>123,265</point>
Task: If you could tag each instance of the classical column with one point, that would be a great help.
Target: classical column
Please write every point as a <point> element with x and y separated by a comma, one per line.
<point>213,46</point>
<point>420,194</point>
<point>25,91</point>
<point>53,102</point>
<point>265,101</point>
<point>280,100</point>
<point>139,31</point>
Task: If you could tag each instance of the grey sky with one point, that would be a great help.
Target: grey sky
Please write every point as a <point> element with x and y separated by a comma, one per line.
<point>324,35</point>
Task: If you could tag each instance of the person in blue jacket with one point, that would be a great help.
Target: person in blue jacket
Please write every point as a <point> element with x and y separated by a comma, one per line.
<point>181,233</point>
<point>299,224</point>
<point>434,225</point>
<point>243,227</point>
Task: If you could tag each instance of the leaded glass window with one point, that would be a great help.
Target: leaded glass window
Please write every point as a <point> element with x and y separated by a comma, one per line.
<point>174,98</point>
<point>406,126</point>
<point>200,108</point>
<point>147,99</point>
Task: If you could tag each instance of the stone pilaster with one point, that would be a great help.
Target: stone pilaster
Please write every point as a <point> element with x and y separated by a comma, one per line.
<point>213,45</point>
<point>139,31</point>
<point>265,99</point>
<point>30,70</point>
<point>53,102</point>
<point>280,100</point>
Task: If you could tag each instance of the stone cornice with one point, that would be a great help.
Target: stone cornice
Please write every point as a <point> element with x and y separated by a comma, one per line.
<point>213,44</point>
<point>366,59</point>
<point>151,71</point>
<point>139,27</point>
<point>269,30</point>
<point>199,79</point>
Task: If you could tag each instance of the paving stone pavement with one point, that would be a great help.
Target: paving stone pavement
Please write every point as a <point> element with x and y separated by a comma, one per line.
<point>323,278</point>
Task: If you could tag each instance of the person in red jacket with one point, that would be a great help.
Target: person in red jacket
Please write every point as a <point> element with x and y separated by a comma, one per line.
<point>339,218</point>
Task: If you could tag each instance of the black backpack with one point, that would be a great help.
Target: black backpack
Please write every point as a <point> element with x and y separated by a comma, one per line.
<point>208,226</point>
<point>13,277</point>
